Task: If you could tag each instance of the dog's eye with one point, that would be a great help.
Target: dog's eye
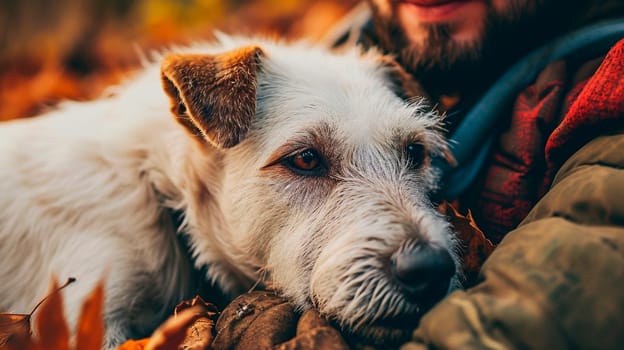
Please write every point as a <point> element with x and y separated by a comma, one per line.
<point>415,154</point>
<point>307,162</point>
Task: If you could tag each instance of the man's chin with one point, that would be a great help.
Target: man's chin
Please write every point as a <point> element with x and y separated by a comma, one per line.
<point>437,54</point>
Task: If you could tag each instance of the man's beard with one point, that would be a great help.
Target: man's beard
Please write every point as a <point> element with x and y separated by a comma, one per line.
<point>445,66</point>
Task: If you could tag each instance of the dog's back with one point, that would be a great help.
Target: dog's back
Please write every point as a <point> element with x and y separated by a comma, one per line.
<point>76,201</point>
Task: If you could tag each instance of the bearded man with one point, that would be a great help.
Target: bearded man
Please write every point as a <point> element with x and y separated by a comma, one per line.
<point>533,91</point>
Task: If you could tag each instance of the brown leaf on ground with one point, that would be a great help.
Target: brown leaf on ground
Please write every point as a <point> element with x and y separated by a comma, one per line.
<point>264,320</point>
<point>255,320</point>
<point>172,333</point>
<point>200,334</point>
<point>475,246</point>
<point>13,325</point>
<point>23,343</point>
<point>314,332</point>
<point>15,329</point>
<point>190,328</point>
<point>311,319</point>
<point>318,338</point>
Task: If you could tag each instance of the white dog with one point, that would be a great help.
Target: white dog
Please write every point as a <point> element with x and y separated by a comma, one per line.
<point>291,165</point>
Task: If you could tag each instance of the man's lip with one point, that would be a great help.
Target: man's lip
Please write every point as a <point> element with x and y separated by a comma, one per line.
<point>434,11</point>
<point>428,3</point>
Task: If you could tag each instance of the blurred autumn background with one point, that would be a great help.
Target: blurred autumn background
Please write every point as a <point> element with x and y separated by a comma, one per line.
<point>74,49</point>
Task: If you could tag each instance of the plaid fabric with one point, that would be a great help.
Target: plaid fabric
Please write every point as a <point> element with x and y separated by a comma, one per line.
<point>568,105</point>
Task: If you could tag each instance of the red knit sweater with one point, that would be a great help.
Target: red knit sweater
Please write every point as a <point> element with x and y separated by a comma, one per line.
<point>568,105</point>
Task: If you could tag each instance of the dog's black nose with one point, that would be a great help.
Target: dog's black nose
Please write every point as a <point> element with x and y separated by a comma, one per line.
<point>424,270</point>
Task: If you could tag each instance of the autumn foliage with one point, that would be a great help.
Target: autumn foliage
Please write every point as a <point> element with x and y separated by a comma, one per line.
<point>51,327</point>
<point>190,328</point>
<point>74,49</point>
<point>256,320</point>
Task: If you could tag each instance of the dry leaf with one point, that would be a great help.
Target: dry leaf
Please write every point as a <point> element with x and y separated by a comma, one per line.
<point>255,320</point>
<point>173,332</point>
<point>13,325</point>
<point>23,343</point>
<point>326,338</point>
<point>199,334</point>
<point>90,332</point>
<point>311,319</point>
<point>314,332</point>
<point>51,325</point>
<point>15,328</point>
<point>189,328</point>
<point>475,246</point>
<point>134,344</point>
<point>52,328</point>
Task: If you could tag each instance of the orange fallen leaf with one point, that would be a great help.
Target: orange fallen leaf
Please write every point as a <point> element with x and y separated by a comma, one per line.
<point>51,324</point>
<point>53,332</point>
<point>15,328</point>
<point>173,332</point>
<point>134,344</point>
<point>90,332</point>
<point>190,328</point>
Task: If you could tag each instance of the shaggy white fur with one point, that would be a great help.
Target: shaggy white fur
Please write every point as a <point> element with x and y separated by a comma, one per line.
<point>84,191</point>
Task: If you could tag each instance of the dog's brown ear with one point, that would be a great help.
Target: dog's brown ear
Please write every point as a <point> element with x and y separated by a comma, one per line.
<point>214,96</point>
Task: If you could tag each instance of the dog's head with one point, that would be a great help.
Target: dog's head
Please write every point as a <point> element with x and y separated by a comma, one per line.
<point>325,176</point>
